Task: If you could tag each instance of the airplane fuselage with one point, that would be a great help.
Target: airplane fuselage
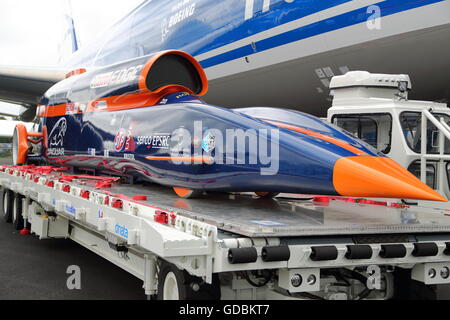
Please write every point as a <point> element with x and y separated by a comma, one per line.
<point>284,53</point>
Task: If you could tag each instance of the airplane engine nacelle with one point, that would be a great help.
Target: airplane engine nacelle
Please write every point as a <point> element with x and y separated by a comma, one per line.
<point>138,82</point>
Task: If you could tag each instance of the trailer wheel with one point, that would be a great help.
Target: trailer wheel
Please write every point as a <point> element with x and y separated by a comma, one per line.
<point>17,218</point>
<point>267,195</point>
<point>175,284</point>
<point>6,199</point>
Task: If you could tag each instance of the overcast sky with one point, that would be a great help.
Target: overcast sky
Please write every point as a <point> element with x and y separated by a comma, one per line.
<point>31,31</point>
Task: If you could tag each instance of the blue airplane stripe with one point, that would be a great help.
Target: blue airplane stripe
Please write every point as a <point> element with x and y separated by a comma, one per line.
<point>280,14</point>
<point>388,7</point>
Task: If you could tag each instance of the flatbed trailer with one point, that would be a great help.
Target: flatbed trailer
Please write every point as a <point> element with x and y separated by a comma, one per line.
<point>236,246</point>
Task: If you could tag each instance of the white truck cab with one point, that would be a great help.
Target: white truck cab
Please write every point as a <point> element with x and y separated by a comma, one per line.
<point>376,109</point>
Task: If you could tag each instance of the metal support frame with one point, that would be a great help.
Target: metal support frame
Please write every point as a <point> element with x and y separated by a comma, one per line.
<point>444,132</point>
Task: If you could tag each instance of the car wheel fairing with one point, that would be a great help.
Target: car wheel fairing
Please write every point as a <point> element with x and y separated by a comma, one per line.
<point>187,193</point>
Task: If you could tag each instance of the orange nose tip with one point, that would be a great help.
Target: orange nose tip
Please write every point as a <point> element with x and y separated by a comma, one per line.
<point>378,177</point>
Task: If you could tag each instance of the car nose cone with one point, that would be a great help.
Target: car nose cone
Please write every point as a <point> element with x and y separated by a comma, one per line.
<point>379,177</point>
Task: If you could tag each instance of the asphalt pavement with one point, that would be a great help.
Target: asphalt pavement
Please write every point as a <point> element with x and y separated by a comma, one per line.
<point>37,269</point>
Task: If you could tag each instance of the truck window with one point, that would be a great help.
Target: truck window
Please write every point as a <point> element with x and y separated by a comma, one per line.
<point>448,173</point>
<point>411,126</point>
<point>374,129</point>
<point>414,168</point>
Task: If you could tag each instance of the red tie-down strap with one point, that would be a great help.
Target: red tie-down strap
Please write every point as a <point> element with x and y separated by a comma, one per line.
<point>32,169</point>
<point>98,182</point>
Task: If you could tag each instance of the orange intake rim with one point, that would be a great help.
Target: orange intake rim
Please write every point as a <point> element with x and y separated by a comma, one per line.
<point>20,144</point>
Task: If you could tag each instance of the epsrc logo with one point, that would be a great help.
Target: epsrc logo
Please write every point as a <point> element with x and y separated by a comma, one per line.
<point>157,141</point>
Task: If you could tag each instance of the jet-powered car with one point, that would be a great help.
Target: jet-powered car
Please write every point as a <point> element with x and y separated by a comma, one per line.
<point>144,118</point>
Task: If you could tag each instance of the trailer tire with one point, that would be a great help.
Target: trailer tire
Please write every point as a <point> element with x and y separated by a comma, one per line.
<point>176,284</point>
<point>17,218</point>
<point>6,202</point>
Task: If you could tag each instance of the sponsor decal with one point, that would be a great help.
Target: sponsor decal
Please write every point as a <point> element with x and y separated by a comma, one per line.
<point>156,141</point>
<point>56,138</point>
<point>119,141</point>
<point>231,146</point>
<point>117,77</point>
<point>121,231</point>
<point>181,95</point>
<point>251,8</point>
<point>92,151</point>
<point>100,105</point>
<point>209,143</point>
<point>128,156</point>
<point>180,12</point>
<point>124,141</point>
<point>56,152</point>
<point>70,210</point>
<point>71,108</point>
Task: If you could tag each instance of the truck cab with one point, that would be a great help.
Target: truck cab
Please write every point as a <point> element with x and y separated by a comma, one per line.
<point>376,109</point>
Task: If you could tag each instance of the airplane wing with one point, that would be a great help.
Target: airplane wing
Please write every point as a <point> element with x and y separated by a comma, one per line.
<point>25,86</point>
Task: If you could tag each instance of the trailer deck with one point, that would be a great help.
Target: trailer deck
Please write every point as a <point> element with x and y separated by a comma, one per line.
<point>295,216</point>
<point>289,215</point>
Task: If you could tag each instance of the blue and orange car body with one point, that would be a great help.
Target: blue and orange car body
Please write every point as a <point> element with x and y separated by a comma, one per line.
<point>121,119</point>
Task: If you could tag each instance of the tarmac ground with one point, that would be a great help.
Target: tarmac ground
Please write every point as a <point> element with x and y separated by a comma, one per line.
<point>34,269</point>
